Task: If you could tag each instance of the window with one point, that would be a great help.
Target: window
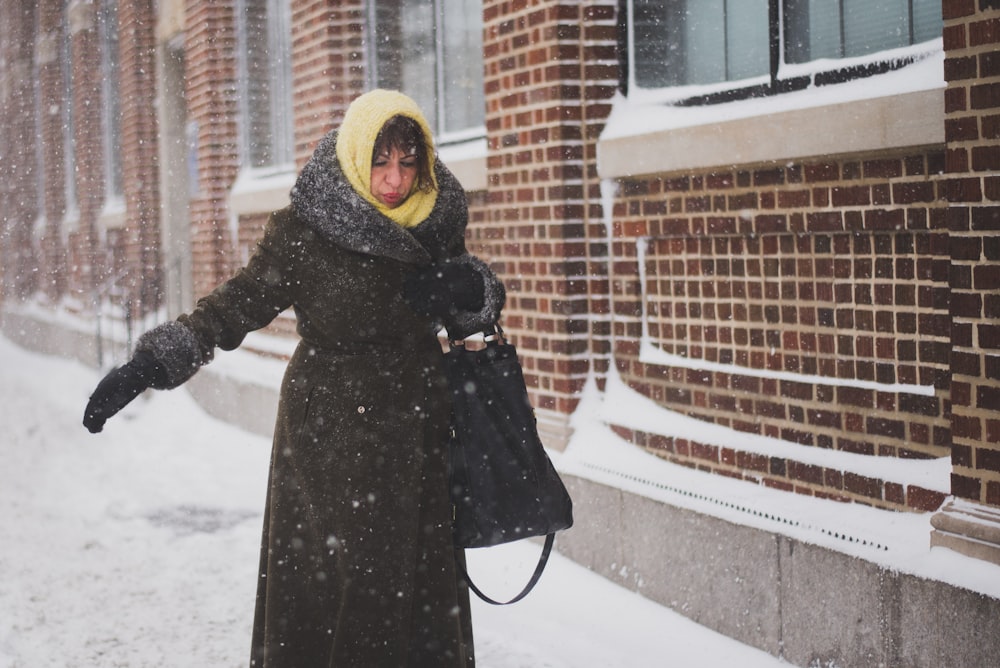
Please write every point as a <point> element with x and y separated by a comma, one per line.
<point>433,52</point>
<point>824,29</point>
<point>69,123</point>
<point>678,43</point>
<point>265,80</point>
<point>108,21</point>
<point>713,44</point>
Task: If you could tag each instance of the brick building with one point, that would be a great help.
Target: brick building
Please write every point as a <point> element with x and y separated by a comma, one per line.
<point>780,218</point>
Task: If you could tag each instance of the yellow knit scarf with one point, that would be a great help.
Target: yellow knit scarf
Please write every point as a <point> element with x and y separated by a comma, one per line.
<point>356,141</point>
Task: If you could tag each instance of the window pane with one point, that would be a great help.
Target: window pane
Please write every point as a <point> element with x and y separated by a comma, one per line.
<point>405,51</point>
<point>387,43</point>
<point>678,42</point>
<point>265,83</point>
<point>112,99</point>
<point>418,57</point>
<point>257,95</point>
<point>747,40</point>
<point>705,41</point>
<point>926,20</point>
<point>433,52</point>
<point>462,29</point>
<point>875,25</point>
<point>656,44</point>
<point>812,30</point>
<point>827,29</point>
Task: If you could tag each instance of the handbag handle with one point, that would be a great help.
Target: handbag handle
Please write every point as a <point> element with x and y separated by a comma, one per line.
<point>492,334</point>
<point>542,560</point>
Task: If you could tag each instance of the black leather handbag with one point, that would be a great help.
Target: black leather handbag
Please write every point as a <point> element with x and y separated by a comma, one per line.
<point>503,485</point>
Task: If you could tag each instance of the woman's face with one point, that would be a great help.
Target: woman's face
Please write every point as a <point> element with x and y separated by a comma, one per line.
<point>392,177</point>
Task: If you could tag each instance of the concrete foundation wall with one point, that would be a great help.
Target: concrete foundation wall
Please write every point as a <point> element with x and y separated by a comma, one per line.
<point>810,605</point>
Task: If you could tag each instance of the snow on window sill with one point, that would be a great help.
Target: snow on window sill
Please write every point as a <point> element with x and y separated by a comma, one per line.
<point>902,108</point>
<point>467,161</point>
<point>112,216</point>
<point>650,353</point>
<point>261,191</point>
<point>895,540</point>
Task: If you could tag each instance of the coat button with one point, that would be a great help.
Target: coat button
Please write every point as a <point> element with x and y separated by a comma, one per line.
<point>361,410</point>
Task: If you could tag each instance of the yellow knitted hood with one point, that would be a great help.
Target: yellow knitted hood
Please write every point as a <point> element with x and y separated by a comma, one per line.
<point>356,141</point>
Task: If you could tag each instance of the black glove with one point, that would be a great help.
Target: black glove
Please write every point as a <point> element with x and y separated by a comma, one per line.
<point>444,289</point>
<point>121,386</point>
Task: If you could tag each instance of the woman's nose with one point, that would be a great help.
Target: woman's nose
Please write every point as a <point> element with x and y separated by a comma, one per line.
<point>394,176</point>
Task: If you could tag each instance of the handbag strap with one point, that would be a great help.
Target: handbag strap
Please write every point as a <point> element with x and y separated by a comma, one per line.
<point>542,560</point>
<point>491,334</point>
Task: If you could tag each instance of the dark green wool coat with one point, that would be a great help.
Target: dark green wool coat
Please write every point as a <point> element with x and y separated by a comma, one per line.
<point>357,567</point>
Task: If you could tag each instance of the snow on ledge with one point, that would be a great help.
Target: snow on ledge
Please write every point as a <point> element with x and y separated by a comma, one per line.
<point>645,135</point>
<point>625,407</point>
<point>645,112</point>
<point>899,541</point>
<point>649,353</point>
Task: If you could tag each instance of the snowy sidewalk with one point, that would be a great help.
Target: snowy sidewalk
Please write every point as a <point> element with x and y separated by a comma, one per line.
<point>138,548</point>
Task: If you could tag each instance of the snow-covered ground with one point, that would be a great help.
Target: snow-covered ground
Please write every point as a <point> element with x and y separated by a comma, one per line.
<point>138,548</point>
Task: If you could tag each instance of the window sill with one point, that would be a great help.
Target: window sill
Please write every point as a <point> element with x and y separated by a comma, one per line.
<point>258,191</point>
<point>897,110</point>
<point>112,216</point>
<point>467,161</point>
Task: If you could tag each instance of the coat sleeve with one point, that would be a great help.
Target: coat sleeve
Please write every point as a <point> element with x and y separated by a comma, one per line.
<point>462,323</point>
<point>251,299</point>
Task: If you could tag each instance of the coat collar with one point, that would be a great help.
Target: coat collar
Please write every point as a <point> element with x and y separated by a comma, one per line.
<point>324,199</point>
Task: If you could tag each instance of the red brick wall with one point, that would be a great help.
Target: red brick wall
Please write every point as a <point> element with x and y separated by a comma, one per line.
<point>544,109</point>
<point>140,166</point>
<point>835,269</point>
<point>972,193</point>
<point>210,72</point>
<point>19,177</point>
<point>86,258</point>
<point>49,63</point>
<point>328,67</point>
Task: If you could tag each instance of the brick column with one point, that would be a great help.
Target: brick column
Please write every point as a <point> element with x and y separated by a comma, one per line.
<point>546,99</point>
<point>971,188</point>
<point>140,163</point>
<point>49,64</point>
<point>86,258</point>
<point>19,175</point>
<point>210,48</point>
<point>328,67</point>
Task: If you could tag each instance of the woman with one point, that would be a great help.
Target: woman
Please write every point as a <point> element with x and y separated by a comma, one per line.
<point>357,563</point>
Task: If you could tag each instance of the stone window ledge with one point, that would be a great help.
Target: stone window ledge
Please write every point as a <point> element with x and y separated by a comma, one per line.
<point>258,191</point>
<point>902,109</point>
<point>467,161</point>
